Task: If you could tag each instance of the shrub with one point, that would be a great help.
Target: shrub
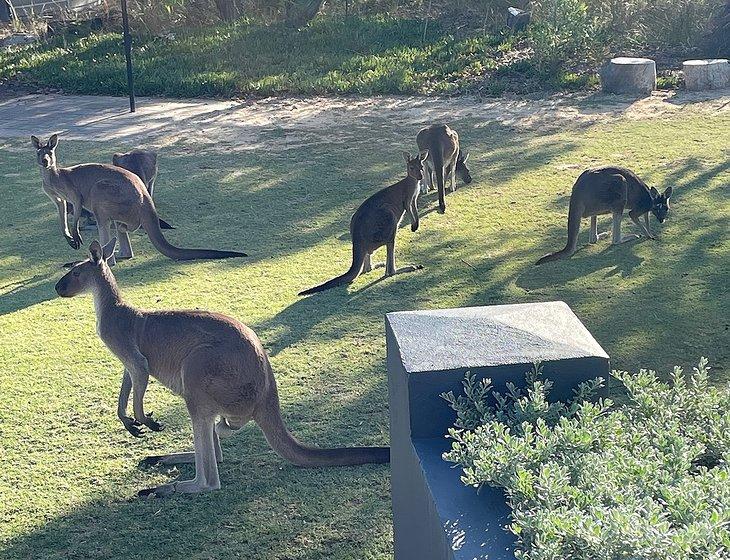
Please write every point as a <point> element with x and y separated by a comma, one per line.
<point>585,479</point>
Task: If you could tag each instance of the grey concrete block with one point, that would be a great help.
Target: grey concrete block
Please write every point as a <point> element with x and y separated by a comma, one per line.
<point>629,75</point>
<point>700,75</point>
<point>428,353</point>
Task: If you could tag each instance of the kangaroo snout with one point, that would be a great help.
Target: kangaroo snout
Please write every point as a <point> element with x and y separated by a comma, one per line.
<point>62,287</point>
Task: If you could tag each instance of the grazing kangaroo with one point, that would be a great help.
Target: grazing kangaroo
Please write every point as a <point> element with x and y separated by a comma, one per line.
<point>143,163</point>
<point>375,223</point>
<point>216,363</point>
<point>445,159</point>
<point>111,194</point>
<point>611,190</point>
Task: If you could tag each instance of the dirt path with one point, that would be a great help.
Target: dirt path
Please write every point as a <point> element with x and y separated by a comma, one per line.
<point>288,122</point>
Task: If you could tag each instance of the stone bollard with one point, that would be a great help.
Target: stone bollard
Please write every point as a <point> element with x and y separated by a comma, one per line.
<point>435,516</point>
<point>701,75</point>
<point>629,75</point>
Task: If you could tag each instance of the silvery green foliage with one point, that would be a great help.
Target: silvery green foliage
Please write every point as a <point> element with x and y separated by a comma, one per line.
<point>649,479</point>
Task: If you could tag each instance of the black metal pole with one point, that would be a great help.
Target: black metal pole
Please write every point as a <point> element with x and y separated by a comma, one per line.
<point>128,56</point>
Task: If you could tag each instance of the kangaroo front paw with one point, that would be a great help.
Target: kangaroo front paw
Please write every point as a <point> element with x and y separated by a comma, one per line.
<point>132,426</point>
<point>74,242</point>
<point>152,424</point>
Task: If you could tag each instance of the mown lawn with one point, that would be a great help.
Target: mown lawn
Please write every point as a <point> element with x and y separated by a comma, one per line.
<point>70,470</point>
<point>330,56</point>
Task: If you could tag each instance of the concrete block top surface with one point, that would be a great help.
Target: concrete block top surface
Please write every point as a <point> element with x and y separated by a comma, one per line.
<point>472,337</point>
<point>631,60</point>
<point>707,62</point>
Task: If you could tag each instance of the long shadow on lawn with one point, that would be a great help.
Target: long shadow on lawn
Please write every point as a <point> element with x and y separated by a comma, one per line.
<point>243,519</point>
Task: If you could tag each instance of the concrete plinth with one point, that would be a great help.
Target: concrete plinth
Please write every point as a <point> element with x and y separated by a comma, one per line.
<point>435,516</point>
<point>629,75</point>
<point>700,75</point>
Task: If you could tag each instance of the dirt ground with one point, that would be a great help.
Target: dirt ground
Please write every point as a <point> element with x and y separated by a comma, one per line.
<point>248,125</point>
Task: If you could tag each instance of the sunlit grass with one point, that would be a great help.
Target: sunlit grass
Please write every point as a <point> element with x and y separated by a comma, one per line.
<point>69,468</point>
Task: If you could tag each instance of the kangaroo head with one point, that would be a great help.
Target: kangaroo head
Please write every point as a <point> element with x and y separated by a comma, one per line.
<point>45,153</point>
<point>414,164</point>
<point>660,203</point>
<point>461,169</point>
<point>82,277</point>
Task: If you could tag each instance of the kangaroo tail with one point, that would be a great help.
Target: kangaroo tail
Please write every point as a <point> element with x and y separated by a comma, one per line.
<point>151,224</point>
<point>287,446</point>
<point>574,216</point>
<point>438,163</point>
<point>165,225</point>
<point>358,258</point>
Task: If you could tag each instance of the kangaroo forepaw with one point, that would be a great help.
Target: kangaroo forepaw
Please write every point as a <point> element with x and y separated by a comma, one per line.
<point>152,424</point>
<point>74,242</point>
<point>132,426</point>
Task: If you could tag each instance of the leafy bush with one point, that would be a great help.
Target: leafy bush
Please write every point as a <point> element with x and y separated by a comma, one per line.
<point>649,479</point>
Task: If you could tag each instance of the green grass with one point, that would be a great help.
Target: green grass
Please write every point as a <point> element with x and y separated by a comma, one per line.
<point>330,56</point>
<point>69,469</point>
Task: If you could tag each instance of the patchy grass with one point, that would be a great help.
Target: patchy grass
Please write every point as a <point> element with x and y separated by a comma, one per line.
<point>69,468</point>
<point>330,56</point>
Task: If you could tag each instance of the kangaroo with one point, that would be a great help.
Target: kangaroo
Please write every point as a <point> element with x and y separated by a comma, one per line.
<point>111,194</point>
<point>445,159</point>
<point>143,163</point>
<point>375,223</point>
<point>611,190</point>
<point>216,363</point>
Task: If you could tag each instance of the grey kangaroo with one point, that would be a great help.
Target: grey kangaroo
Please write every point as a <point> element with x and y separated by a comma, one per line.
<point>143,163</point>
<point>111,194</point>
<point>445,159</point>
<point>375,223</point>
<point>611,190</point>
<point>216,363</point>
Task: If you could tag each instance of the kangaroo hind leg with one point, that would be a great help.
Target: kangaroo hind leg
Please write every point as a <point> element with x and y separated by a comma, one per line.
<point>206,466</point>
<point>617,238</point>
<point>125,247</point>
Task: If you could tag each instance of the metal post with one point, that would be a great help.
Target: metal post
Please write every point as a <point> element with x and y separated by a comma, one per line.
<point>128,56</point>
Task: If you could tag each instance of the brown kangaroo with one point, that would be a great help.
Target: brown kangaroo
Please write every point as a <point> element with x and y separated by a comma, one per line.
<point>611,190</point>
<point>216,363</point>
<point>375,223</point>
<point>444,159</point>
<point>111,194</point>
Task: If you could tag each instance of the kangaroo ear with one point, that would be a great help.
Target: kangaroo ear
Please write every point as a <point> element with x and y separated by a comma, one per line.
<point>115,159</point>
<point>36,143</point>
<point>407,156</point>
<point>654,192</point>
<point>109,249</point>
<point>423,155</point>
<point>53,141</point>
<point>96,252</point>
<point>668,192</point>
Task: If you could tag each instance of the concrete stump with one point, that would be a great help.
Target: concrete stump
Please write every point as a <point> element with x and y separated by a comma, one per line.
<point>629,75</point>
<point>435,516</point>
<point>701,75</point>
<point>517,19</point>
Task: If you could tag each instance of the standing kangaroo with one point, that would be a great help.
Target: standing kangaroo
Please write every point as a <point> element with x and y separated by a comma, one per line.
<point>375,223</point>
<point>444,159</point>
<point>112,194</point>
<point>143,163</point>
<point>216,363</point>
<point>611,190</point>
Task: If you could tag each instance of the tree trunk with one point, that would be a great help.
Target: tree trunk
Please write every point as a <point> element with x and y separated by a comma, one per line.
<point>227,9</point>
<point>300,12</point>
